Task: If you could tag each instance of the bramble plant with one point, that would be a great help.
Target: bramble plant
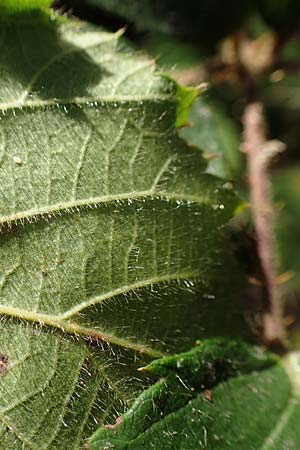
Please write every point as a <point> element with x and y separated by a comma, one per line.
<point>149,271</point>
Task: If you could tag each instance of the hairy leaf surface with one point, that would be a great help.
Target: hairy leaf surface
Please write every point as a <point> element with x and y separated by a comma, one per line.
<point>110,243</point>
<point>221,395</point>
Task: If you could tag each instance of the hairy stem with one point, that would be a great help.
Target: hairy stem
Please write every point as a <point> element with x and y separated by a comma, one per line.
<point>259,151</point>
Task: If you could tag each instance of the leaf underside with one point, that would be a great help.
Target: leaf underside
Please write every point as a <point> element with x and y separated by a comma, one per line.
<point>256,408</point>
<point>110,248</point>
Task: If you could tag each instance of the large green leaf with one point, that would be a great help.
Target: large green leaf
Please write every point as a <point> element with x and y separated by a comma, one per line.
<point>221,395</point>
<point>111,233</point>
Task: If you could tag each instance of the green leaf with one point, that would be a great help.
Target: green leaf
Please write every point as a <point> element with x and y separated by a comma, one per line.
<point>207,398</point>
<point>217,135</point>
<point>111,246</point>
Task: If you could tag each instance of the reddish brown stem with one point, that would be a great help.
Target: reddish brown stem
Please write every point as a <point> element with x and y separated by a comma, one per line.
<point>259,152</point>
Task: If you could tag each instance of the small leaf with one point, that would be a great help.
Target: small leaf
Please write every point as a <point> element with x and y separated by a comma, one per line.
<point>217,135</point>
<point>207,398</point>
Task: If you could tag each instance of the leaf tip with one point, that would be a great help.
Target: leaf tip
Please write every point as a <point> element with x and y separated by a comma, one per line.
<point>119,33</point>
<point>186,95</point>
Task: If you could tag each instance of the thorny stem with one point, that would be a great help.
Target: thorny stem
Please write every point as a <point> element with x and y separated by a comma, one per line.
<point>259,152</point>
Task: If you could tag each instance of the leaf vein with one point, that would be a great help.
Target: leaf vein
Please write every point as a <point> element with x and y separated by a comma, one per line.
<point>34,214</point>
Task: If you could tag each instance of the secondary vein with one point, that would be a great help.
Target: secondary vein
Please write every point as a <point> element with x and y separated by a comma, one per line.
<point>52,210</point>
<point>70,327</point>
<point>64,322</point>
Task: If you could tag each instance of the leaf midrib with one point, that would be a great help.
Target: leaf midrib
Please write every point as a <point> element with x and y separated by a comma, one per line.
<point>74,205</point>
<point>89,101</point>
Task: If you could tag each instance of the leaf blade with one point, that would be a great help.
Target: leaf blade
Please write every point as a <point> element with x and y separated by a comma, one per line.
<point>111,235</point>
